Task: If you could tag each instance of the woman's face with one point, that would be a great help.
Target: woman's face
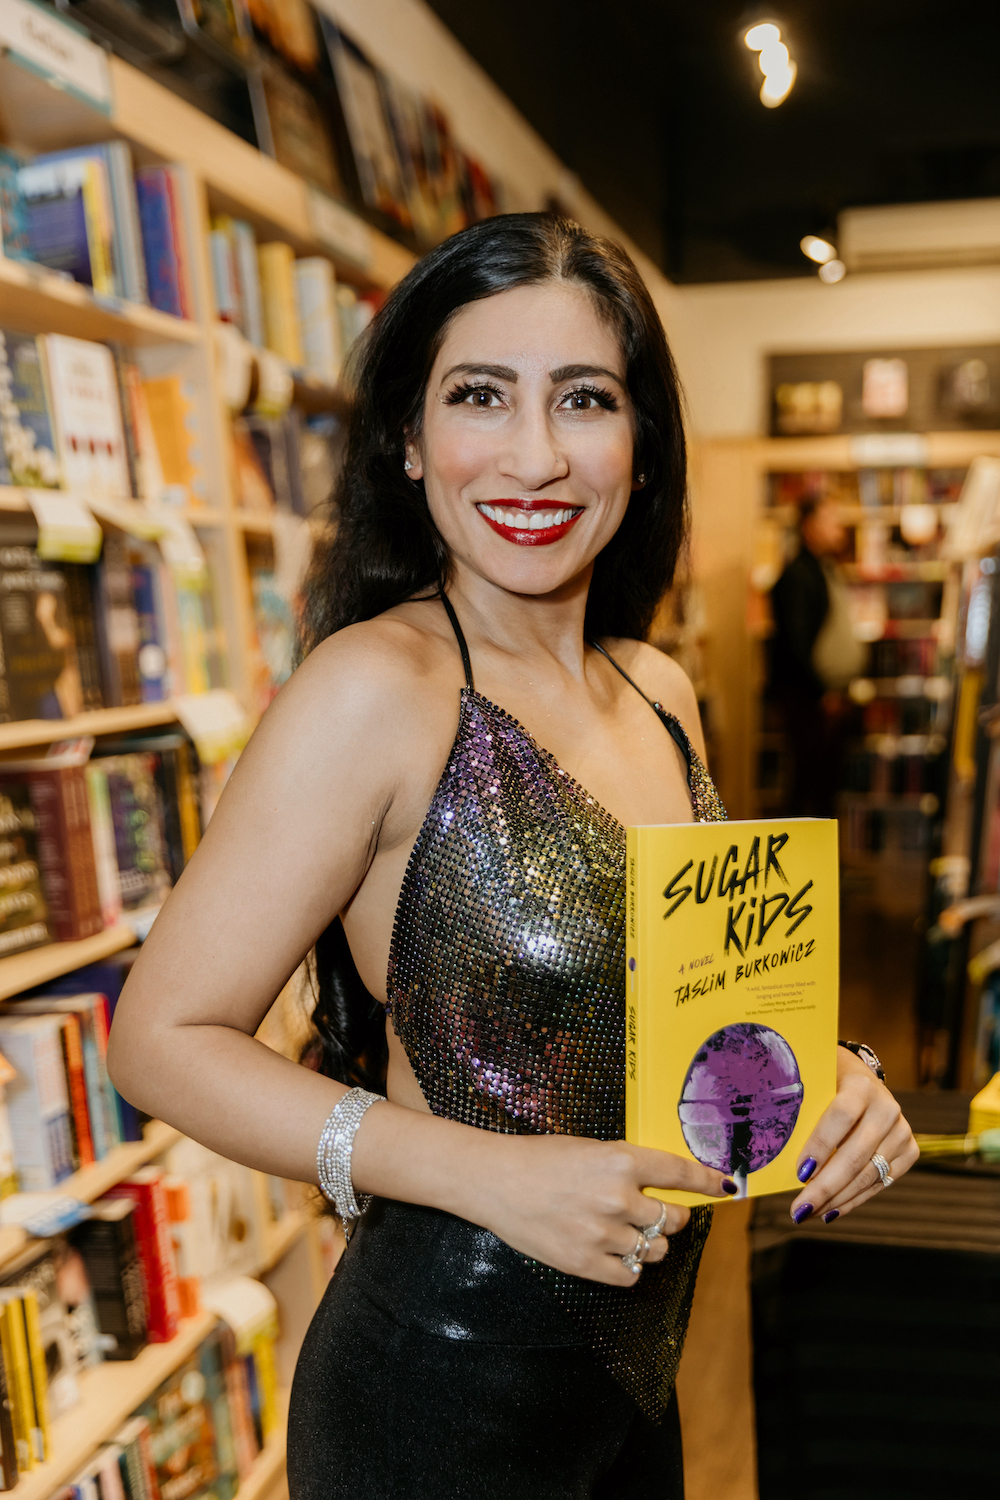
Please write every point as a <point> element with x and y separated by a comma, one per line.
<point>526,451</point>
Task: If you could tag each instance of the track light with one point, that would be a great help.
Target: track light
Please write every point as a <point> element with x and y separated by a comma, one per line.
<point>777,67</point>
<point>817,249</point>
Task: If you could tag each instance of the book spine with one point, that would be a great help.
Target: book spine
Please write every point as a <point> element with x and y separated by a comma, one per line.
<point>80,604</point>
<point>103,836</point>
<point>114,1271</point>
<point>156,1253</point>
<point>73,1135</point>
<point>86,894</point>
<point>92,1075</point>
<point>281,325</point>
<point>145,1441</point>
<point>127,218</point>
<point>54,854</point>
<point>132,1470</point>
<point>41,1431</point>
<point>98,239</point>
<point>184,271</point>
<point>109,1096</point>
<point>15,1357</point>
<point>8,1450</point>
<point>248,279</point>
<point>77,1085</point>
<point>633,979</point>
<point>158,244</point>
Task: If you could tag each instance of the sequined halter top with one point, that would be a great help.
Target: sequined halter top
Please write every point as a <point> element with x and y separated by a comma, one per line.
<point>506,987</point>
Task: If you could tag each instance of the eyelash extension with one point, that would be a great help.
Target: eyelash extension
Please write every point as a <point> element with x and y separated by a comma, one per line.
<point>457,396</point>
<point>602,397</point>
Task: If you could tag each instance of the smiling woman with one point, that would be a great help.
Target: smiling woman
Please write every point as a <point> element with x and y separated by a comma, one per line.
<point>506,1317</point>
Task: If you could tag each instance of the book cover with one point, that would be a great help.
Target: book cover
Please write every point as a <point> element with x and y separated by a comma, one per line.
<point>138,1473</point>
<point>319,326</point>
<point>116,623</point>
<point>27,435</point>
<point>173,417</point>
<point>107,1243</point>
<point>156,1251</point>
<point>152,661</point>
<point>137,819</point>
<point>68,207</point>
<point>37,1373</point>
<point>14,1346</point>
<point>88,418</point>
<point>39,675</point>
<point>732,985</point>
<point>182,1434</point>
<point>37,1101</point>
<point>89,1010</point>
<point>120,214</point>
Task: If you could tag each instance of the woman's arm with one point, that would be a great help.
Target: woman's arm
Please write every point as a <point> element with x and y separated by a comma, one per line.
<point>323,788</point>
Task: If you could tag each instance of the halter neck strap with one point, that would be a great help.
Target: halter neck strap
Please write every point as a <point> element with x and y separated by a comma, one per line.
<point>456,627</point>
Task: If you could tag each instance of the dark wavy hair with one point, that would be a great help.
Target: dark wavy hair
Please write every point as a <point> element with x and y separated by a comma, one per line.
<point>384,547</point>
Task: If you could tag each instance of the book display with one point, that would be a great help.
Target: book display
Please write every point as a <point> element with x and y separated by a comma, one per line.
<point>177,311</point>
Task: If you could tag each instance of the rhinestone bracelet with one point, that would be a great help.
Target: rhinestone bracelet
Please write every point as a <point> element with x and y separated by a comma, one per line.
<point>333,1155</point>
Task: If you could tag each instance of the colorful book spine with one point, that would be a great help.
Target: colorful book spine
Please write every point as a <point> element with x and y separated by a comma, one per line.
<point>38,1104</point>
<point>65,844</point>
<point>28,453</point>
<point>76,1084</point>
<point>156,1251</point>
<point>159,248</point>
<point>107,1243</point>
<point>14,1346</point>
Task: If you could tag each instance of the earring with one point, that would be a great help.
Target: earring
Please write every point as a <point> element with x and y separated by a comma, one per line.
<point>407,465</point>
<point>640,480</point>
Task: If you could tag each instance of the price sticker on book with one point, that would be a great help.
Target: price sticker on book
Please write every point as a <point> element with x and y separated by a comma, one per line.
<point>58,50</point>
<point>215,721</point>
<point>67,532</point>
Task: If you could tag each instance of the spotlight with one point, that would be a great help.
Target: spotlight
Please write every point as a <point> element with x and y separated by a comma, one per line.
<point>832,271</point>
<point>777,67</point>
<point>817,249</point>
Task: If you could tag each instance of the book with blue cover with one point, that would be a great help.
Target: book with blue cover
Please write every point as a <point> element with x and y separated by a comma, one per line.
<point>115,162</point>
<point>70,218</point>
<point>28,453</point>
<point>158,240</point>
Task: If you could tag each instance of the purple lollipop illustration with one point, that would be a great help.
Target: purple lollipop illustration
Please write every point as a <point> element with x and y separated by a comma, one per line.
<point>740,1100</point>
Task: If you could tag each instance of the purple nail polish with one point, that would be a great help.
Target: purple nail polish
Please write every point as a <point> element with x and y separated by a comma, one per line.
<point>830,1215</point>
<point>802,1212</point>
<point>729,1186</point>
<point>807,1168</point>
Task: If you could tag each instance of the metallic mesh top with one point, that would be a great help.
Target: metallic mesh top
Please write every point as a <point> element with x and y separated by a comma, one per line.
<point>506,987</point>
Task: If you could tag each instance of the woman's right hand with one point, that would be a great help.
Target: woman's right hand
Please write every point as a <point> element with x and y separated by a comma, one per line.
<point>578,1204</point>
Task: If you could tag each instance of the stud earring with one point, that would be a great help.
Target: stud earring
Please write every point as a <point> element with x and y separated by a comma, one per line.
<point>640,480</point>
<point>407,465</point>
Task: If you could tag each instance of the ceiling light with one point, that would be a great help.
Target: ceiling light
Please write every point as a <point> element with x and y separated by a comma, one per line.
<point>817,249</point>
<point>834,270</point>
<point>758,37</point>
<point>777,67</point>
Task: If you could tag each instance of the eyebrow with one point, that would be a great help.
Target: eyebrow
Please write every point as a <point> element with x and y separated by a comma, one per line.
<point>504,372</point>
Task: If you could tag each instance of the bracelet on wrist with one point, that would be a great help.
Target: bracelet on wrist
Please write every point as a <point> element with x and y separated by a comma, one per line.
<point>333,1155</point>
<point>867,1056</point>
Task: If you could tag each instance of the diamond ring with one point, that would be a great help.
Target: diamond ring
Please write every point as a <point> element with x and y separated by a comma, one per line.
<point>633,1261</point>
<point>882,1168</point>
<point>653,1231</point>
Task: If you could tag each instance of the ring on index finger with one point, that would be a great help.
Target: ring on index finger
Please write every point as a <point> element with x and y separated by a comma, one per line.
<point>882,1168</point>
<point>652,1232</point>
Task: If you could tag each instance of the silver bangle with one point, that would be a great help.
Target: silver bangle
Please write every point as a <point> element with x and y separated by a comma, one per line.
<point>334,1151</point>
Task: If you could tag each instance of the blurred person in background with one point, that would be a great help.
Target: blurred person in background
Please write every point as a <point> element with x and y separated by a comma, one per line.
<point>814,655</point>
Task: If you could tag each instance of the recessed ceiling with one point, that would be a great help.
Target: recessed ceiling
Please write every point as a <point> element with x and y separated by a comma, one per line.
<point>654,105</point>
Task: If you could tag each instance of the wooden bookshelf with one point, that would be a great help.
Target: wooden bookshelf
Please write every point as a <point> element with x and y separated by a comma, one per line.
<point>23,971</point>
<point>35,300</point>
<point>25,733</point>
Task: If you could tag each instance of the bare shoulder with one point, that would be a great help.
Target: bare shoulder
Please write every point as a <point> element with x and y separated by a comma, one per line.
<point>662,680</point>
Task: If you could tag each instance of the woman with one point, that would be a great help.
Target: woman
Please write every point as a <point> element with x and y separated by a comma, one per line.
<point>511,510</point>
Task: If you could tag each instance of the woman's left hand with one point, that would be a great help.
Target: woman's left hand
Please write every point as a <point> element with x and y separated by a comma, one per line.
<point>863,1121</point>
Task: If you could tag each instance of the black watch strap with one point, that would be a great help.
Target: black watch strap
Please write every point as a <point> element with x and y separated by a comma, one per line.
<point>867,1056</point>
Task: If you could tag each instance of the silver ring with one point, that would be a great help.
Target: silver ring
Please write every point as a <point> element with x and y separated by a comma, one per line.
<point>653,1231</point>
<point>633,1261</point>
<point>882,1168</point>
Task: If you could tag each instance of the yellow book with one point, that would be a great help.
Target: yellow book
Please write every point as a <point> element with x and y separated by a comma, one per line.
<point>37,1371</point>
<point>984,1109</point>
<point>96,213</point>
<point>732,981</point>
<point>277,288</point>
<point>15,1358</point>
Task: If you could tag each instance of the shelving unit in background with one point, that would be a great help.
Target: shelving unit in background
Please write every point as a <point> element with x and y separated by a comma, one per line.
<point>229,177</point>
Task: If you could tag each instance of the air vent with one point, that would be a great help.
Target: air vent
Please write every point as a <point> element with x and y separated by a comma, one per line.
<point>913,236</point>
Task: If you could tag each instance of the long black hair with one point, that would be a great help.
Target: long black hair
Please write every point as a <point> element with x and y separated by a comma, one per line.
<point>384,547</point>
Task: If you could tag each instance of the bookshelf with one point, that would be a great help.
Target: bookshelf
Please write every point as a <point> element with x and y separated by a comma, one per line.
<point>228,176</point>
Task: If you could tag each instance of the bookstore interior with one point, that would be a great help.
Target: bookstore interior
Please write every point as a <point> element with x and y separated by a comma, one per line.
<point>201,207</point>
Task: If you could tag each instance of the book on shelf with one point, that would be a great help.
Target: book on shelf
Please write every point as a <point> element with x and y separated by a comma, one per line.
<point>172,414</point>
<point>156,1251</point>
<point>8,1443</point>
<point>91,1012</point>
<point>108,1244</point>
<point>120,214</point>
<point>15,243</point>
<point>56,791</point>
<point>37,1101</point>
<point>24,920</point>
<point>166,203</point>
<point>39,673</point>
<point>19,1345</point>
<point>83,384</point>
<point>70,218</point>
<point>319,326</point>
<point>38,1268</point>
<point>28,451</point>
<point>281,324</point>
<point>731,994</point>
<point>138,1471</point>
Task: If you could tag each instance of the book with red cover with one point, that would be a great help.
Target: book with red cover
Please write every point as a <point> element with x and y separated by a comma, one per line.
<point>156,1251</point>
<point>58,792</point>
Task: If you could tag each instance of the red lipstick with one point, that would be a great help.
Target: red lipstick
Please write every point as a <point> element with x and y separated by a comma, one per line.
<point>562,518</point>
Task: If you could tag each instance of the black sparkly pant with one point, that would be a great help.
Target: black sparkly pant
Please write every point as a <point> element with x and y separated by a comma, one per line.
<point>437,1368</point>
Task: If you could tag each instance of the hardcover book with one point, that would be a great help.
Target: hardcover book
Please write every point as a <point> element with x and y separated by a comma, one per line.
<point>732,983</point>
